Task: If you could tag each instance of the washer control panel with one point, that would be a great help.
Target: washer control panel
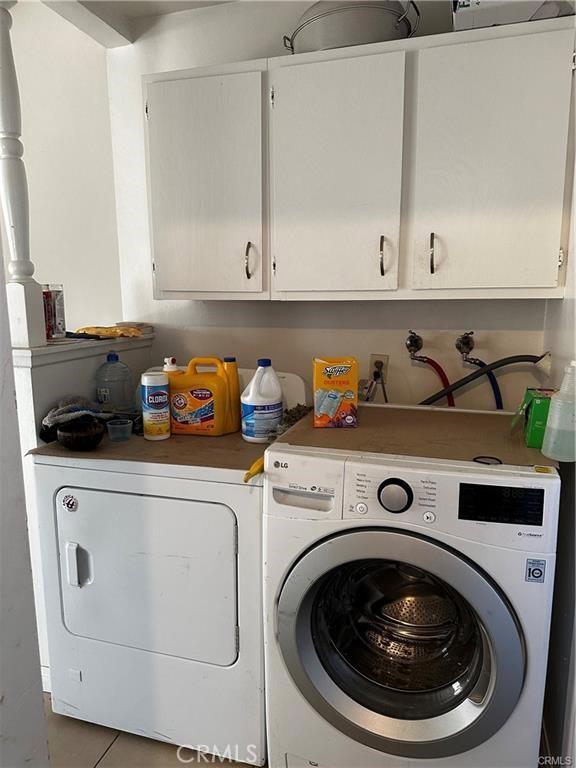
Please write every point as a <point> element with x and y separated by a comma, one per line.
<point>502,506</point>
<point>376,491</point>
<point>395,495</point>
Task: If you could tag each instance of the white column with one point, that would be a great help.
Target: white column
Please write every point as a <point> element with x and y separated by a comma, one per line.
<point>24,294</point>
<point>22,725</point>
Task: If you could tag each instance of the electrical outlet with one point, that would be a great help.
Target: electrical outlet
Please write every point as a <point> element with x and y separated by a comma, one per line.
<point>378,357</point>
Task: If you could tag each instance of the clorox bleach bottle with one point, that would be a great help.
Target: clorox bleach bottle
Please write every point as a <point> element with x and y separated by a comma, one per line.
<point>262,404</point>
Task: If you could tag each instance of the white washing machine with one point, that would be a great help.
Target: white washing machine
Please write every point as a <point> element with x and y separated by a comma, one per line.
<point>407,600</point>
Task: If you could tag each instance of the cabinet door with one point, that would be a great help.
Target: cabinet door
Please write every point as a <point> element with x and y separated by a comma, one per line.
<point>205,183</point>
<point>336,134</point>
<point>491,142</point>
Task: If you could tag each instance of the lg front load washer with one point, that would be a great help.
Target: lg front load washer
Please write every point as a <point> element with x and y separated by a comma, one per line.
<point>407,606</point>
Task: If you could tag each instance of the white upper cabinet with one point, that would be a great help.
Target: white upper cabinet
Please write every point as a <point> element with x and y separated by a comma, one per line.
<point>490,162</point>
<point>336,166</point>
<point>430,167</point>
<point>205,166</point>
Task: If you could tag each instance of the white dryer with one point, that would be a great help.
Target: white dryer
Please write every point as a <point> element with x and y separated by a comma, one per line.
<point>152,579</point>
<point>407,599</point>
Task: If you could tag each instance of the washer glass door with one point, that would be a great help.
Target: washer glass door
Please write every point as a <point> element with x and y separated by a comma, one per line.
<point>401,642</point>
<point>397,639</point>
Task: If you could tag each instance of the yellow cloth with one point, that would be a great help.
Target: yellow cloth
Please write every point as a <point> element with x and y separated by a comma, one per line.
<point>255,469</point>
<point>111,332</point>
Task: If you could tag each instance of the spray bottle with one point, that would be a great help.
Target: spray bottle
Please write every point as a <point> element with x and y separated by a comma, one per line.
<point>560,436</point>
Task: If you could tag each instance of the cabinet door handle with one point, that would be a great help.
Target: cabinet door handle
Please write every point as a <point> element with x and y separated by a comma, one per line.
<point>249,245</point>
<point>71,549</point>
<point>432,264</point>
<point>382,244</point>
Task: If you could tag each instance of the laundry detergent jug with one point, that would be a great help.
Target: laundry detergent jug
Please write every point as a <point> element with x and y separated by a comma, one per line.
<point>200,401</point>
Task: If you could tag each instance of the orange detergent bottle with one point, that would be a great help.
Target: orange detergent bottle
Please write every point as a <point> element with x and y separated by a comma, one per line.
<point>200,401</point>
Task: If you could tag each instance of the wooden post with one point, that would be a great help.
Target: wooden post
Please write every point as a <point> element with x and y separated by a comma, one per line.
<point>24,294</point>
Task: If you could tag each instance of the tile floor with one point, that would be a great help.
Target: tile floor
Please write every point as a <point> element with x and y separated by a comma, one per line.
<point>76,744</point>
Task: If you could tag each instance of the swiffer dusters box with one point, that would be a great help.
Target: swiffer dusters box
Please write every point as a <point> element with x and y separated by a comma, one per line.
<point>533,412</point>
<point>335,392</point>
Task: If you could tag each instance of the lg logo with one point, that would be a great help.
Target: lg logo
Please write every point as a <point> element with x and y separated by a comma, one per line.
<point>281,465</point>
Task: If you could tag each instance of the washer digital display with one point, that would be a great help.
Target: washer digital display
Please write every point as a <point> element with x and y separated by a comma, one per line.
<point>501,504</point>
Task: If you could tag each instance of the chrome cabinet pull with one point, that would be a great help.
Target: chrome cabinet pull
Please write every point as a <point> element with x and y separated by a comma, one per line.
<point>382,243</point>
<point>249,274</point>
<point>432,264</point>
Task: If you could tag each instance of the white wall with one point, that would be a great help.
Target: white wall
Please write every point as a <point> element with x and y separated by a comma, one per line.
<point>67,150</point>
<point>292,334</point>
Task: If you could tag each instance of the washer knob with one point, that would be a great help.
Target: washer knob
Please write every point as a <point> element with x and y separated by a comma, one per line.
<point>395,495</point>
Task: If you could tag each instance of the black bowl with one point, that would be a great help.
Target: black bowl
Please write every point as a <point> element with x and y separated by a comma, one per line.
<point>82,434</point>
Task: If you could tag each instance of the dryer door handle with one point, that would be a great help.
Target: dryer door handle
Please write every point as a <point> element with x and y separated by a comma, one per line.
<point>71,553</point>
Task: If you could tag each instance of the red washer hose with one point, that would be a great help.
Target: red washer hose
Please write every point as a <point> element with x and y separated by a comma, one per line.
<point>442,374</point>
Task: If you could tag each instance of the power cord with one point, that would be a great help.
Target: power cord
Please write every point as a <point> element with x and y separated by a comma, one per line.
<point>378,377</point>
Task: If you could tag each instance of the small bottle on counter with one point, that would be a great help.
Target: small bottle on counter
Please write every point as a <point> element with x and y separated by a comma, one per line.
<point>53,298</point>
<point>155,405</point>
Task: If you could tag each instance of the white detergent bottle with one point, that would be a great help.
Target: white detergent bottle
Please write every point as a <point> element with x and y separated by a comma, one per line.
<point>262,404</point>
<point>560,436</point>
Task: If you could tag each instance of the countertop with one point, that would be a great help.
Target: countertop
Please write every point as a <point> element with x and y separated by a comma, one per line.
<point>435,433</point>
<point>224,452</point>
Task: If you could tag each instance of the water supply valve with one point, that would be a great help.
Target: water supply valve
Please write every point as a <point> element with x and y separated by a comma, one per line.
<point>414,343</point>
<point>465,344</point>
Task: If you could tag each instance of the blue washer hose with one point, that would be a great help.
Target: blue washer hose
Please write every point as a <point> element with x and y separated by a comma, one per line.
<point>493,381</point>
